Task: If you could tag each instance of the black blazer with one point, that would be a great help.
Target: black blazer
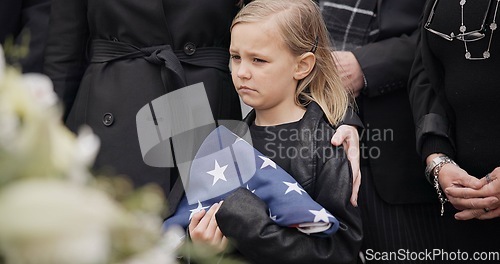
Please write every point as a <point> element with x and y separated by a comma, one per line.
<point>26,17</point>
<point>389,136</point>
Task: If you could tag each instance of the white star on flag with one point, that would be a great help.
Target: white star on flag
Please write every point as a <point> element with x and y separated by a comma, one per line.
<point>197,209</point>
<point>273,217</point>
<point>321,215</point>
<point>293,187</point>
<point>248,188</point>
<point>218,173</point>
<point>267,162</point>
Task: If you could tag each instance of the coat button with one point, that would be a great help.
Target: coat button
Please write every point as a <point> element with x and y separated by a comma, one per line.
<point>189,48</point>
<point>108,119</point>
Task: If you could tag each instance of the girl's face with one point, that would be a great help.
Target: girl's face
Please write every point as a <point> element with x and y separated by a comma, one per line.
<point>263,68</point>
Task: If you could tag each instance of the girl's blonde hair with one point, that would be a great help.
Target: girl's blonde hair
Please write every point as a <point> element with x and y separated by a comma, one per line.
<point>303,30</point>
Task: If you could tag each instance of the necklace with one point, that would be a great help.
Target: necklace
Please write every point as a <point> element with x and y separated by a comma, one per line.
<point>464,39</point>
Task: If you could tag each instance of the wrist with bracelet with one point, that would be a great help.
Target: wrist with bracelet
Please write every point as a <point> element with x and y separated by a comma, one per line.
<point>432,174</point>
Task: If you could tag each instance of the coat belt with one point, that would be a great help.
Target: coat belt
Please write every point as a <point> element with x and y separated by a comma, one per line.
<point>208,57</point>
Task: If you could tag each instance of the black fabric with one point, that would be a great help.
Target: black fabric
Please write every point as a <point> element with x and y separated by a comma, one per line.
<point>108,51</point>
<point>120,87</point>
<point>244,219</point>
<point>26,22</point>
<point>277,142</point>
<point>407,227</point>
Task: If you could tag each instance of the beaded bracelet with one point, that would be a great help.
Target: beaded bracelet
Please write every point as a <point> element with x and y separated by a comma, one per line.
<point>437,168</point>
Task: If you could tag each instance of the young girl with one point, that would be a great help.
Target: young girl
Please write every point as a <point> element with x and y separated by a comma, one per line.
<point>282,67</point>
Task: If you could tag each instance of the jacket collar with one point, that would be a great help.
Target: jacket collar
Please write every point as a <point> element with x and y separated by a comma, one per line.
<point>310,119</point>
<point>303,168</point>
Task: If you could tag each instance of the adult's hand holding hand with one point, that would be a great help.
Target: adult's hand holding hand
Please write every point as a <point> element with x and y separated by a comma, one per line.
<point>489,193</point>
<point>452,176</point>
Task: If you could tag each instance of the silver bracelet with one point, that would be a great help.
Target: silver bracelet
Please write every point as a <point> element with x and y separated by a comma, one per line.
<point>442,199</point>
<point>432,165</point>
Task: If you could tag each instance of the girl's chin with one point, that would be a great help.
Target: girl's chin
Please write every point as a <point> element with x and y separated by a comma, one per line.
<point>247,99</point>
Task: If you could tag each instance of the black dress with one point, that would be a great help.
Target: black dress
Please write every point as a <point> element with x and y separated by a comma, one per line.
<point>102,85</point>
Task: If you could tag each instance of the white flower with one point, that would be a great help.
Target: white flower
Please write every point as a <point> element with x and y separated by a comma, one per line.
<point>50,210</point>
<point>33,140</point>
<point>85,150</point>
<point>9,124</point>
<point>55,222</point>
<point>40,87</point>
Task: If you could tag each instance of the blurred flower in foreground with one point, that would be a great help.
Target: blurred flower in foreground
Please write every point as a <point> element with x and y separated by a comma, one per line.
<point>53,211</point>
<point>33,140</point>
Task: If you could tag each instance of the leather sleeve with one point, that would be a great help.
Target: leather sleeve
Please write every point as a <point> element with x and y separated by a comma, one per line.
<point>351,118</point>
<point>65,55</point>
<point>244,219</point>
<point>432,126</point>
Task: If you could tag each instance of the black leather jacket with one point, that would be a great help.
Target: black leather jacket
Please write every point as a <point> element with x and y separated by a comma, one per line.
<point>244,219</point>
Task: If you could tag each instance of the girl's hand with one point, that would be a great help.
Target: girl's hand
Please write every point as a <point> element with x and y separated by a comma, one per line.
<point>203,229</point>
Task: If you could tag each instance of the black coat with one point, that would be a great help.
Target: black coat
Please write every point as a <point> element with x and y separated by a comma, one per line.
<point>389,137</point>
<point>105,91</point>
<point>327,179</point>
<point>26,18</point>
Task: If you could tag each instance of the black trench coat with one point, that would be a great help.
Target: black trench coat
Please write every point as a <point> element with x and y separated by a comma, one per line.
<point>103,86</point>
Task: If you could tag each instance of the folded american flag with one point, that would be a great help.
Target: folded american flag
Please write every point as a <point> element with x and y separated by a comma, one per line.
<point>225,162</point>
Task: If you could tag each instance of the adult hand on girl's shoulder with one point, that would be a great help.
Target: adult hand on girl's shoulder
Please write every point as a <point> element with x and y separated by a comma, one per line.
<point>204,229</point>
<point>489,194</point>
<point>347,136</point>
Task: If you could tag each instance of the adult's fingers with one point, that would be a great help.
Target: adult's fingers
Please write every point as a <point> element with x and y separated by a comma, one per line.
<point>492,213</point>
<point>353,156</point>
<point>346,134</point>
<point>481,213</point>
<point>460,177</point>
<point>473,203</point>
<point>465,193</point>
<point>355,189</point>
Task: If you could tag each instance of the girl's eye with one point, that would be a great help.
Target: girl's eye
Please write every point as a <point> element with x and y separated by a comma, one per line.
<point>258,60</point>
<point>235,57</point>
